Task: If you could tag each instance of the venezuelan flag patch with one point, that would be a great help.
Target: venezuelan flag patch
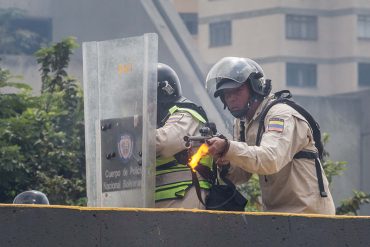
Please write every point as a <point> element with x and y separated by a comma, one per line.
<point>276,124</point>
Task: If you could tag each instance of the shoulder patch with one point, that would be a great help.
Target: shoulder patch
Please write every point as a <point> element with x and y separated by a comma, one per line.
<point>174,118</point>
<point>275,124</point>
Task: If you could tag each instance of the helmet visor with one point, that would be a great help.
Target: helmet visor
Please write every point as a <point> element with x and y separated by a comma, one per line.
<point>232,68</point>
<point>226,84</point>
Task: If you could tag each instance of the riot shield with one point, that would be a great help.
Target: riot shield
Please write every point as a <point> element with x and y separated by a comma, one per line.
<point>120,94</point>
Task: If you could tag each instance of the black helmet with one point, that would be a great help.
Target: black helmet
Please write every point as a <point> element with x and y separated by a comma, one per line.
<point>169,87</point>
<point>31,197</point>
<point>233,72</point>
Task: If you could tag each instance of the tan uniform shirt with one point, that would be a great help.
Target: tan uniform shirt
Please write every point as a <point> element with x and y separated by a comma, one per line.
<point>169,141</point>
<point>287,184</point>
<point>170,137</point>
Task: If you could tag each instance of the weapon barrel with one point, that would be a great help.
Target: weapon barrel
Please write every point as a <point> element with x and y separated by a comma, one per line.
<point>196,138</point>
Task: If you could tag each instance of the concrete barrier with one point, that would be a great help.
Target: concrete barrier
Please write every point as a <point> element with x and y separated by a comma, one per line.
<point>22,225</point>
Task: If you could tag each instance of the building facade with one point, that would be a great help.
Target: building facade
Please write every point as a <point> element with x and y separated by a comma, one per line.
<point>318,47</point>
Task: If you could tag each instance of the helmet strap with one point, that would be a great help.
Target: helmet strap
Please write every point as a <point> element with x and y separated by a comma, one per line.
<point>166,87</point>
<point>162,113</point>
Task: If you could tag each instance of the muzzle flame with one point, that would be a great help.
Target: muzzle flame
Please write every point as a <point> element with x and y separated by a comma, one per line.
<point>202,151</point>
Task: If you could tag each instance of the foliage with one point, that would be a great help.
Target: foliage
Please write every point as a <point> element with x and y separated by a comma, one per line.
<point>350,206</point>
<point>252,192</point>
<point>6,81</point>
<point>42,137</point>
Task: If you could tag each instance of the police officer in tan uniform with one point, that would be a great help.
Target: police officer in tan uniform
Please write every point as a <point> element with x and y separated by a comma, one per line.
<point>176,118</point>
<point>288,184</point>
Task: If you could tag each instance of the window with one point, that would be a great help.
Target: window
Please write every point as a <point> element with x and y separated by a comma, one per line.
<point>191,22</point>
<point>301,27</point>
<point>364,74</point>
<point>301,74</point>
<point>363,26</point>
<point>25,35</point>
<point>220,33</point>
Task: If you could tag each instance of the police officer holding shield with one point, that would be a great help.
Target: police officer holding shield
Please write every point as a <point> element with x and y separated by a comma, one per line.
<point>176,117</point>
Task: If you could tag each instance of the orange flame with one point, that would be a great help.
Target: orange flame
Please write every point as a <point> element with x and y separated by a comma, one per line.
<point>202,151</point>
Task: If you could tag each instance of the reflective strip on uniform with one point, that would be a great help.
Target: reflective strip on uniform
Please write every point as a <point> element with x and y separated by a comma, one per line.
<point>174,177</point>
<point>192,112</point>
<point>172,193</point>
<point>207,161</point>
<point>174,180</point>
<point>177,190</point>
<point>173,169</point>
<point>161,161</point>
<point>203,184</point>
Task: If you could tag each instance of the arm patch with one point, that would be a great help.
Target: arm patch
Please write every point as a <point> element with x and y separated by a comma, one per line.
<point>276,124</point>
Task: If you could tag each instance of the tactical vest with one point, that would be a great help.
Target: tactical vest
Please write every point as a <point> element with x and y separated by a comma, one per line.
<point>285,97</point>
<point>174,179</point>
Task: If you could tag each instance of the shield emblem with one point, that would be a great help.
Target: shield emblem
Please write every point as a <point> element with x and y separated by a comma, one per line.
<point>125,146</point>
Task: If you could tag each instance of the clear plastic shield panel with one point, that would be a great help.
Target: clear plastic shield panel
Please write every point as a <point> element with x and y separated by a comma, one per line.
<point>120,121</point>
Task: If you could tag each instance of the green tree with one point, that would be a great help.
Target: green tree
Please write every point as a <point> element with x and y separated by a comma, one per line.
<point>251,191</point>
<point>350,206</point>
<point>42,137</point>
